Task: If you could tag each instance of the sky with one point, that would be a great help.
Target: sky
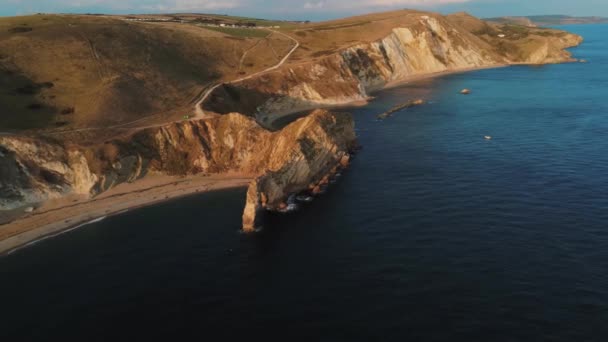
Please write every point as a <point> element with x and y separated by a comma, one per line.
<point>306,9</point>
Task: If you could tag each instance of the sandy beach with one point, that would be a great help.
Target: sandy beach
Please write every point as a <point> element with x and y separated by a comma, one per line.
<point>60,215</point>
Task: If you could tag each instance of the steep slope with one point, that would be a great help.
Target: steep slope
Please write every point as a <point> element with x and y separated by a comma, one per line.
<point>429,44</point>
<point>68,71</point>
<point>32,171</point>
<point>522,21</point>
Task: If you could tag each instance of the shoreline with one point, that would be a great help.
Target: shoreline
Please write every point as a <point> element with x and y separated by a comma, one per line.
<point>63,215</point>
<point>55,216</point>
<point>282,119</point>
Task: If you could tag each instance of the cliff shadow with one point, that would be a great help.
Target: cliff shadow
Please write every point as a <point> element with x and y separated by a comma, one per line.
<point>22,102</point>
<point>229,98</point>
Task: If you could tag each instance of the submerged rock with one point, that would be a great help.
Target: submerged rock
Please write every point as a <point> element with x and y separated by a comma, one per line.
<point>402,106</point>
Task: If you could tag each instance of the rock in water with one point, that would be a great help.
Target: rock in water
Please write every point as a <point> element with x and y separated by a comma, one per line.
<point>35,170</point>
<point>465,91</point>
<point>324,142</point>
<point>397,108</point>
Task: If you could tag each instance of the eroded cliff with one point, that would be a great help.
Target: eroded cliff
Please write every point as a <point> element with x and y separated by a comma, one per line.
<point>299,156</point>
<point>431,44</point>
<point>34,170</point>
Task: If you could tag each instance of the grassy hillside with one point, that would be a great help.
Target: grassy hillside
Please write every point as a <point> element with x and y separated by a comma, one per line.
<point>68,72</point>
<point>516,42</point>
<point>548,20</point>
<point>324,38</point>
<point>63,72</point>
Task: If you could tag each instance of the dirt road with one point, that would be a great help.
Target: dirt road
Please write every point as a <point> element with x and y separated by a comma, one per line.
<point>198,107</point>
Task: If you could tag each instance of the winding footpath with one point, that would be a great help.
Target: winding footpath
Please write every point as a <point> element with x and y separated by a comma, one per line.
<point>198,107</point>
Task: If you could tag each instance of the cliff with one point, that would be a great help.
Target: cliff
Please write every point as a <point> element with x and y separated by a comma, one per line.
<point>34,170</point>
<point>300,156</point>
<point>427,45</point>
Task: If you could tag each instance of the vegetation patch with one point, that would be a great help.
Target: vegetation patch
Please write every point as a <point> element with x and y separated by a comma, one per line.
<point>20,29</point>
<point>33,88</point>
<point>322,53</point>
<point>67,111</point>
<point>240,32</point>
<point>515,32</point>
<point>486,30</point>
<point>335,27</point>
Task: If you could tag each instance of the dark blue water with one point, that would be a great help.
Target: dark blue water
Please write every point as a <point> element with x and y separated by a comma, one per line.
<point>434,234</point>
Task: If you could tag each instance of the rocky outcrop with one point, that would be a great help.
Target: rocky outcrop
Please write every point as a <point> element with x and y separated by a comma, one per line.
<point>434,44</point>
<point>33,171</point>
<point>322,145</point>
<point>298,157</point>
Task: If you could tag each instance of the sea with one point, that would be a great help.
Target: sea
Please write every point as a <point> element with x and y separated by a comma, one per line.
<point>435,233</point>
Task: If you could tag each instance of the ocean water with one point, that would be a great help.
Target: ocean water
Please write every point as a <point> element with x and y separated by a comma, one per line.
<point>433,234</point>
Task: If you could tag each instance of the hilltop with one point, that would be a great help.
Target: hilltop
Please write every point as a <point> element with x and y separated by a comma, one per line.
<point>62,72</point>
<point>72,76</point>
<point>548,20</point>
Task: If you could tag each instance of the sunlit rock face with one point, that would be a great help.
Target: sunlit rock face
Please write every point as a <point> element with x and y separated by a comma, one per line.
<point>434,44</point>
<point>281,162</point>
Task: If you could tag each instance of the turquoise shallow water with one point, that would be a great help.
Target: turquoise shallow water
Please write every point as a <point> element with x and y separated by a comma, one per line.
<point>434,234</point>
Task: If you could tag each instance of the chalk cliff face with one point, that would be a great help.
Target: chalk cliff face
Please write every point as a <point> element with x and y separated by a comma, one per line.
<point>322,144</point>
<point>434,44</point>
<point>33,171</point>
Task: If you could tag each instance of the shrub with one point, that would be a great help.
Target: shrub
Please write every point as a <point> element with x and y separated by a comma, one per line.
<point>67,111</point>
<point>20,29</point>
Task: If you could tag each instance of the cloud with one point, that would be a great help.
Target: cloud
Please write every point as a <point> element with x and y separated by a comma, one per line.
<point>198,5</point>
<point>314,5</point>
<point>191,5</point>
<point>133,6</point>
<point>371,4</point>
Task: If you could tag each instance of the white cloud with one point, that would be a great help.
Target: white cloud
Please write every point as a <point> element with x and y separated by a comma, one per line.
<point>371,4</point>
<point>243,7</point>
<point>314,5</point>
<point>192,5</point>
<point>145,5</point>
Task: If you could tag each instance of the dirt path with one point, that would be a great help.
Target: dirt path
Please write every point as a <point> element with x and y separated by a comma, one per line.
<point>251,48</point>
<point>200,113</point>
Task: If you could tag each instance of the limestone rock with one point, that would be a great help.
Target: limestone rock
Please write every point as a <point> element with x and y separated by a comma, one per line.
<point>33,171</point>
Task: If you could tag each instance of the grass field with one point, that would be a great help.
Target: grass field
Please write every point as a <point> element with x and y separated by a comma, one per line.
<point>68,71</point>
<point>239,32</point>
